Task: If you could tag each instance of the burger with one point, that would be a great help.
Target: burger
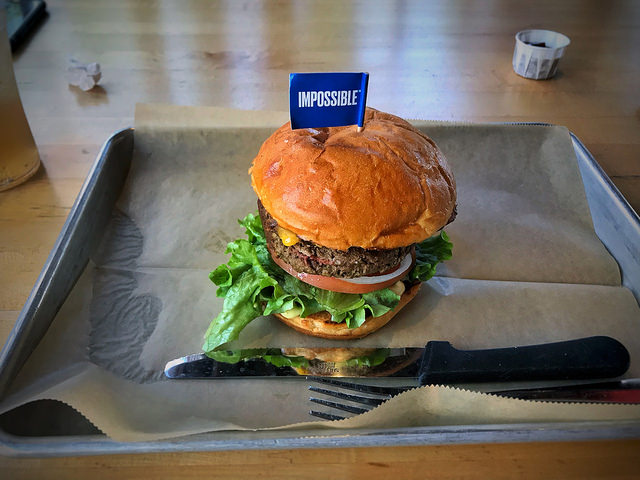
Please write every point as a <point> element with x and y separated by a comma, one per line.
<point>349,224</point>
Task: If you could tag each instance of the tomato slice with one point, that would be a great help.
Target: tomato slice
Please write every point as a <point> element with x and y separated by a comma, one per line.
<point>352,285</point>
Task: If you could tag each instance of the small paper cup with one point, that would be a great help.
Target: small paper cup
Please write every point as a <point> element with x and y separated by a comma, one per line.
<point>537,53</point>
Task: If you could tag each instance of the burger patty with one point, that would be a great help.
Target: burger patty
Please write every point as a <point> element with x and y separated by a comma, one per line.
<point>307,257</point>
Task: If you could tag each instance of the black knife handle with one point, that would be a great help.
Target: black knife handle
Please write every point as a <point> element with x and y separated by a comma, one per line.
<point>591,357</point>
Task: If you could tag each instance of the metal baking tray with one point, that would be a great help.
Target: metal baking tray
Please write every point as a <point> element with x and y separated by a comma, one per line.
<point>50,428</point>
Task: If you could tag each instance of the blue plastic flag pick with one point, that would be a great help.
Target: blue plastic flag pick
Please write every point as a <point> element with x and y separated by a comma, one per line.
<point>327,99</point>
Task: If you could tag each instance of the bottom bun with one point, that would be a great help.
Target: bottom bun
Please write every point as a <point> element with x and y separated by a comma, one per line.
<point>320,324</point>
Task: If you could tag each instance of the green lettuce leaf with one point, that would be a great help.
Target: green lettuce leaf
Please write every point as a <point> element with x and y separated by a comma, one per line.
<point>428,254</point>
<point>253,285</point>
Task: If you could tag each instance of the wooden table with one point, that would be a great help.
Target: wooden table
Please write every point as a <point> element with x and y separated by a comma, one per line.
<point>446,60</point>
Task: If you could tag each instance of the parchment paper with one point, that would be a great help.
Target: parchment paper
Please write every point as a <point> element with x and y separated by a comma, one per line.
<point>527,268</point>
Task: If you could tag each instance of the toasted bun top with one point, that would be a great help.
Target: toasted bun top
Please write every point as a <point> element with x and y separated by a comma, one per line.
<point>385,187</point>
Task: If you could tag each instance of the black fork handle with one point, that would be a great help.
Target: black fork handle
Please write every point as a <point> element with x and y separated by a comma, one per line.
<point>584,358</point>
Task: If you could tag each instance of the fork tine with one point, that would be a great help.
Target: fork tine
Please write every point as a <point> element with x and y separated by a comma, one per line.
<point>339,406</point>
<point>358,387</point>
<point>325,416</point>
<point>374,402</point>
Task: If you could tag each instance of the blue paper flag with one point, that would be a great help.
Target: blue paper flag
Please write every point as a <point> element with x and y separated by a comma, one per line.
<point>327,99</point>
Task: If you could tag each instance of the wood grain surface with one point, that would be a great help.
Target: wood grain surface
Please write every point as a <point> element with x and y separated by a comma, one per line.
<point>445,60</point>
<point>580,461</point>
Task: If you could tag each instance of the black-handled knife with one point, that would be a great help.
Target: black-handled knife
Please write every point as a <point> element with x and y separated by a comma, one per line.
<point>590,357</point>
<point>439,362</point>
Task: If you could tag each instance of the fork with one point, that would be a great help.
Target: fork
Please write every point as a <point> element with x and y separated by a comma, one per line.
<point>622,391</point>
<point>382,394</point>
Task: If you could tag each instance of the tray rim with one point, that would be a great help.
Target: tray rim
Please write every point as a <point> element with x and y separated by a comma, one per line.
<point>64,446</point>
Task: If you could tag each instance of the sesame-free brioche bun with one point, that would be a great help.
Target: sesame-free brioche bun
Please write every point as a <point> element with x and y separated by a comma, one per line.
<point>320,324</point>
<point>385,187</point>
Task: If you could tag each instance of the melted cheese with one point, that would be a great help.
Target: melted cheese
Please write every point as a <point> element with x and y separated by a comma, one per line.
<point>288,237</point>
